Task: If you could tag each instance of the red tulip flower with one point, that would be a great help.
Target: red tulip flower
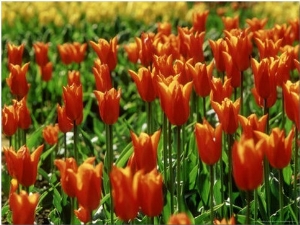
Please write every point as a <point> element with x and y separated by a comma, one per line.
<point>145,150</point>
<point>9,120</point>
<point>225,221</point>
<point>256,24</point>
<point>267,48</point>
<point>83,214</point>
<point>230,23</point>
<point>109,105</point>
<point>72,96</point>
<point>124,193</point>
<point>74,77</point>
<point>65,124</point>
<point>46,71</point>
<point>209,142</point>
<point>24,118</point>
<point>50,134</point>
<point>17,80</point>
<point>146,49</point>
<point>15,54</point>
<point>72,52</point>
<point>41,53</point>
<point>199,21</point>
<point>80,50</point>
<point>180,219</point>
<point>220,90</point>
<point>102,76</point>
<point>132,50</point>
<point>247,162</point>
<point>164,28</point>
<point>22,205</point>
<point>22,165</point>
<point>217,48</point>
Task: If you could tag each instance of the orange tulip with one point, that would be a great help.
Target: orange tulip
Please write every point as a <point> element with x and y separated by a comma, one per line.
<point>17,80</point>
<point>50,134</point>
<point>109,105</point>
<point>195,47</point>
<point>74,77</point>
<point>164,28</point>
<point>46,71</point>
<point>232,70</point>
<point>209,142</point>
<point>15,54</point>
<point>24,119</point>
<point>72,96</point>
<point>41,53</point>
<point>64,123</point>
<point>132,51</point>
<point>224,221</point>
<point>230,22</point>
<point>22,205</point>
<point>175,96</point>
<point>67,183</point>
<point>228,114</point>
<point>180,219</point>
<point>66,52</point>
<point>217,48</point>
<point>163,65</point>
<point>145,84</point>
<point>220,90</point>
<point>80,50</point>
<point>269,102</point>
<point>106,51</point>
<point>292,101</point>
<point>83,215</point>
<point>124,193</point>
<point>267,48</point>
<point>146,49</point>
<point>145,150</point>
<point>150,192</point>
<point>102,76</point>
<point>9,120</point>
<point>277,148</point>
<point>199,21</point>
<point>256,24</point>
<point>88,180</point>
<point>284,68</point>
<point>183,36</point>
<point>202,74</point>
<point>251,124</point>
<point>247,162</point>
<point>22,165</point>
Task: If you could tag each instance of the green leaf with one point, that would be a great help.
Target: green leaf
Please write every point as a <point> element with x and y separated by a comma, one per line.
<point>124,156</point>
<point>287,174</point>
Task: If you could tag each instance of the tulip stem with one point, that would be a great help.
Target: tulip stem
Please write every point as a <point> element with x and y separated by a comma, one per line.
<point>281,195</point>
<point>222,182</point>
<point>296,193</point>
<point>65,145</point>
<point>241,94</point>
<point>72,210</point>
<point>283,114</point>
<point>203,105</point>
<point>211,171</point>
<point>109,152</point>
<point>75,142</point>
<point>165,144</point>
<point>171,168</point>
<point>149,117</point>
<point>248,207</point>
<point>230,142</point>
<point>178,167</point>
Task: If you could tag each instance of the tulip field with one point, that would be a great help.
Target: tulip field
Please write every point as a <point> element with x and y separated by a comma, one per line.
<point>150,113</point>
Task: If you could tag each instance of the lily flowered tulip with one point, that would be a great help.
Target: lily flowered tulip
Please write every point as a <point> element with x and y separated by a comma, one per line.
<point>50,134</point>
<point>41,53</point>
<point>180,219</point>
<point>106,51</point>
<point>22,165</point>
<point>17,80</point>
<point>150,192</point>
<point>15,54</point>
<point>46,71</point>
<point>217,48</point>
<point>72,96</point>
<point>72,52</point>
<point>145,150</point>
<point>80,50</point>
<point>220,90</point>
<point>146,49</point>
<point>267,48</point>
<point>209,142</point>
<point>24,118</point>
<point>74,77</point>
<point>22,205</point>
<point>83,215</point>
<point>145,83</point>
<point>109,105</point>
<point>256,24</point>
<point>251,124</point>
<point>228,114</point>
<point>124,193</point>
<point>102,76</point>
<point>230,22</point>
<point>225,221</point>
<point>199,21</point>
<point>132,51</point>
<point>247,162</point>
<point>175,96</point>
<point>65,124</point>
<point>9,120</point>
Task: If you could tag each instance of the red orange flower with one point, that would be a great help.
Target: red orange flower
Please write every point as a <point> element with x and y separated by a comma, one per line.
<point>24,118</point>
<point>74,77</point>
<point>83,214</point>
<point>220,90</point>
<point>50,134</point>
<point>224,221</point>
<point>41,53</point>
<point>46,71</point>
<point>15,54</point>
<point>217,48</point>
<point>72,52</point>
<point>9,120</point>
<point>199,21</point>
<point>267,48</point>
<point>65,124</point>
<point>251,124</point>
<point>256,24</point>
<point>180,219</point>
<point>230,22</point>
<point>102,76</point>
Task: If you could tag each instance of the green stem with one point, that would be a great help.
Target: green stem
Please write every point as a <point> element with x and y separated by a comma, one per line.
<point>198,115</point>
<point>149,117</point>
<point>281,195</point>
<point>109,152</point>
<point>178,167</point>
<point>241,94</point>
<point>65,145</point>
<point>75,142</point>
<point>203,107</point>
<point>283,113</point>
<point>171,168</point>
<point>222,182</point>
<point>296,193</point>
<point>248,207</point>
<point>165,144</point>
<point>211,171</point>
<point>230,142</point>
<point>73,207</point>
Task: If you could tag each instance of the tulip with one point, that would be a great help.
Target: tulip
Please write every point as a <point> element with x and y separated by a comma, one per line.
<point>224,221</point>
<point>124,193</point>
<point>66,183</point>
<point>183,35</point>
<point>46,71</point>
<point>9,120</point>
<point>145,84</point>
<point>269,102</point>
<point>292,101</point>
<point>256,24</point>
<point>199,21</point>
<point>64,123</point>
<point>22,165</point>
<point>109,105</point>
<point>230,22</point>
<point>164,28</point>
<point>247,164</point>
<point>180,218</point>
<point>220,90</point>
<point>251,124</point>
<point>17,80</point>
<point>145,150</point>
<point>175,96</point>
<point>217,48</point>
<point>15,54</point>
<point>209,142</point>
<point>146,49</point>
<point>267,48</point>
<point>41,53</point>
<point>106,51</point>
<point>163,65</point>
<point>195,47</point>
<point>228,114</point>
<point>83,215</point>
<point>66,53</point>
<point>50,134</point>
<point>102,76</point>
<point>74,77</point>
<point>22,205</point>
<point>72,96</point>
<point>24,119</point>
<point>232,71</point>
<point>150,192</point>
<point>80,50</point>
<point>132,51</point>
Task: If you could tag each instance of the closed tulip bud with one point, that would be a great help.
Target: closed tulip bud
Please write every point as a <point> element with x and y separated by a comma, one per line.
<point>9,120</point>
<point>41,53</point>
<point>46,71</point>
<point>232,71</point>
<point>17,80</point>
<point>22,165</point>
<point>22,205</point>
<point>102,76</point>
<point>64,123</point>
<point>209,142</point>
<point>15,54</point>
<point>145,150</point>
<point>72,96</point>
<point>180,219</point>
<point>146,49</point>
<point>109,105</point>
<point>50,134</point>
<point>247,159</point>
